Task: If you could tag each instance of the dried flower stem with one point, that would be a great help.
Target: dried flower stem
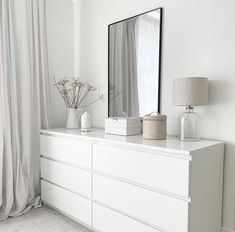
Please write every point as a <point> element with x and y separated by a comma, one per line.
<point>74,92</point>
<point>100,98</point>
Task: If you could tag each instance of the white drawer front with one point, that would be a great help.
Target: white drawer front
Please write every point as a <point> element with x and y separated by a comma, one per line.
<point>76,180</point>
<point>72,204</point>
<point>107,220</point>
<point>157,209</point>
<point>162,172</point>
<point>67,150</point>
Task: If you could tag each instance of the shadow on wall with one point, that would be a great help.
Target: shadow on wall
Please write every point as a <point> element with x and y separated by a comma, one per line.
<point>219,123</point>
<point>219,92</point>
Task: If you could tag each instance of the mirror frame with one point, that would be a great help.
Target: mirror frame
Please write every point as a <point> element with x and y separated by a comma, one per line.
<point>160,54</point>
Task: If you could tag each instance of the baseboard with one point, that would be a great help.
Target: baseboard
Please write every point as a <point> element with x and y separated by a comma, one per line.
<point>227,230</point>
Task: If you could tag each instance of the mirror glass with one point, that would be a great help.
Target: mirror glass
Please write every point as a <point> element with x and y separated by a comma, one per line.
<point>134,65</point>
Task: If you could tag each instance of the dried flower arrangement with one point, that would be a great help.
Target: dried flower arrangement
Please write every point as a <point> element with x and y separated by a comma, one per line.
<point>74,92</point>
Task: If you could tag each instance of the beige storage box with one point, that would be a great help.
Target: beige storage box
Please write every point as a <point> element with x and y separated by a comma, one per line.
<point>154,126</point>
<point>123,126</point>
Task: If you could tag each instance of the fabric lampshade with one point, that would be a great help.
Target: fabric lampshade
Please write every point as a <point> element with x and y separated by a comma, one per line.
<point>190,91</point>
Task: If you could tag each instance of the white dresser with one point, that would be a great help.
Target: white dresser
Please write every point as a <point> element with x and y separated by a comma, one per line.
<point>127,184</point>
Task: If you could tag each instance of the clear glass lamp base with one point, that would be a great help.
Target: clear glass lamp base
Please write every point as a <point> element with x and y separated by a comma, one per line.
<point>188,126</point>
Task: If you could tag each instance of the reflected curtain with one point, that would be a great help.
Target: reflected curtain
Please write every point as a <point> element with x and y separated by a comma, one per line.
<point>24,103</point>
<point>115,72</point>
<point>129,69</point>
<point>123,70</point>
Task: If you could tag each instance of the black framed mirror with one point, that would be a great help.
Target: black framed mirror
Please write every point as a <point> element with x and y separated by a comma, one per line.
<point>134,73</point>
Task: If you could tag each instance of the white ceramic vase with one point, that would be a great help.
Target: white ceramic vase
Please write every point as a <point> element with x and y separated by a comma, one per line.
<point>73,118</point>
<point>85,122</point>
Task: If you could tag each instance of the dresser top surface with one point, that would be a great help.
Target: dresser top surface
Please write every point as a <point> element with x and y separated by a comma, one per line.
<point>170,144</point>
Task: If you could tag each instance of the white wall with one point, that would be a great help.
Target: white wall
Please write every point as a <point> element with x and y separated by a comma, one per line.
<point>198,39</point>
<point>59,16</point>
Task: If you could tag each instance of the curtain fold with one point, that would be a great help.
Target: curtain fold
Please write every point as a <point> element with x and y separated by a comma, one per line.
<point>123,70</point>
<point>24,103</point>
<point>115,75</point>
<point>130,103</point>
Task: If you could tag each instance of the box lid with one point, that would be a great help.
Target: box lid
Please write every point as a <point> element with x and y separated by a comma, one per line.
<point>155,116</point>
<point>129,119</point>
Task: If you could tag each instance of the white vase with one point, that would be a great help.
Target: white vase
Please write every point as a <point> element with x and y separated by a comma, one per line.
<point>73,118</point>
<point>86,122</point>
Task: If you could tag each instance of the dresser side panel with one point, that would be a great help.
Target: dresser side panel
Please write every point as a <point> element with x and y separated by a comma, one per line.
<point>206,187</point>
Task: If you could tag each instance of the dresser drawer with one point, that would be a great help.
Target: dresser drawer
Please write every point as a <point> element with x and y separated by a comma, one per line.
<point>67,150</point>
<point>70,203</point>
<point>165,173</point>
<point>107,220</point>
<point>73,179</point>
<point>157,209</point>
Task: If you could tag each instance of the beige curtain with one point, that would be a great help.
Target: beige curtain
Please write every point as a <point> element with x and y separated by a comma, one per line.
<point>24,103</point>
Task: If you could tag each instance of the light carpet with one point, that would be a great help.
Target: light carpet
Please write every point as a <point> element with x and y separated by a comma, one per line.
<point>43,219</point>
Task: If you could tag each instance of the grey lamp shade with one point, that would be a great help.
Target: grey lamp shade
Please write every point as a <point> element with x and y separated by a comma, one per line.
<point>190,91</point>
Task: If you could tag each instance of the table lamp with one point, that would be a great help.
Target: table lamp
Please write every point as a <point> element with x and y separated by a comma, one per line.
<point>189,92</point>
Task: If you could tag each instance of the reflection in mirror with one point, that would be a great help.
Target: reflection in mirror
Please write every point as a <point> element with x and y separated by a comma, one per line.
<point>134,65</point>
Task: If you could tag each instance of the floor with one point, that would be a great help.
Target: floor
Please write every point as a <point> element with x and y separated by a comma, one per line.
<point>42,219</point>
